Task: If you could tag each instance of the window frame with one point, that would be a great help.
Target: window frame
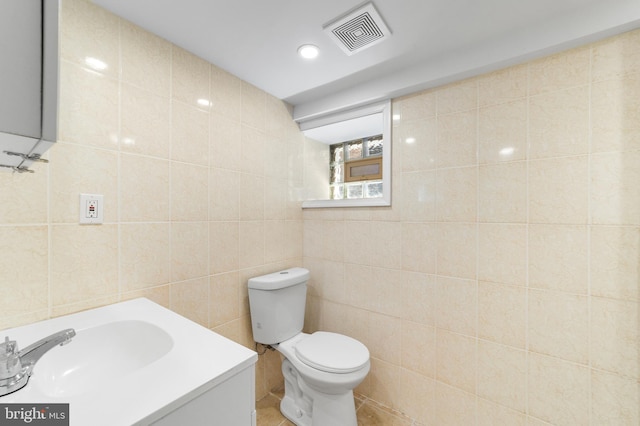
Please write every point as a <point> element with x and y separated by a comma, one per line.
<point>383,107</point>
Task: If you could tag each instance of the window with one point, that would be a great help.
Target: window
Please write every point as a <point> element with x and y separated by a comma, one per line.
<point>350,125</point>
<point>356,168</point>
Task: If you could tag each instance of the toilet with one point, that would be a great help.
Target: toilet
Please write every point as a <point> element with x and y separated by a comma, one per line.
<point>320,369</point>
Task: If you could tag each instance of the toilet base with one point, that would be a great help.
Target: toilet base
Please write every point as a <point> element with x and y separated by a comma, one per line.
<point>305,406</point>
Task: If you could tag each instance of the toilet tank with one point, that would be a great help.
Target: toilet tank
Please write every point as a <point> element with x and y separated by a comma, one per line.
<point>277,302</point>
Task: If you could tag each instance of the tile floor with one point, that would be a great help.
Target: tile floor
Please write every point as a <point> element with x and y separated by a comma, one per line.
<point>368,412</point>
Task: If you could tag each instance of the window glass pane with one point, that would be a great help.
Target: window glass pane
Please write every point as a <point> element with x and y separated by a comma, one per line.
<point>336,192</point>
<point>374,145</point>
<point>337,173</point>
<point>354,190</point>
<point>337,153</point>
<point>373,189</point>
<point>355,150</point>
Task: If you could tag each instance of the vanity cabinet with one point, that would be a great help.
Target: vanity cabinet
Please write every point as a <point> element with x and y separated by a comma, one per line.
<point>28,80</point>
<point>231,403</point>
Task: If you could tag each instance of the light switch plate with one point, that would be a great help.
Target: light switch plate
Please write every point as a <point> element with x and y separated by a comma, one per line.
<point>91,209</point>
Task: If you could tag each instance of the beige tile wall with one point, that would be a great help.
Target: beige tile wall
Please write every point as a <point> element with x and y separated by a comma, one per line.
<point>197,197</point>
<point>503,285</point>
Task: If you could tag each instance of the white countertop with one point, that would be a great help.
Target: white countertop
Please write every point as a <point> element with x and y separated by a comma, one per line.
<point>198,361</point>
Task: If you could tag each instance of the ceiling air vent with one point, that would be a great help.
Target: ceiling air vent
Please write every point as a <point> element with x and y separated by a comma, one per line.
<point>358,29</point>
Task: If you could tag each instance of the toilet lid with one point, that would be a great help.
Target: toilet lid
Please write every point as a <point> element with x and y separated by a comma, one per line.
<point>332,352</point>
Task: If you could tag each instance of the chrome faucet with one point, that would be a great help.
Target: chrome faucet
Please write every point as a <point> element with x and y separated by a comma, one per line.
<point>16,366</point>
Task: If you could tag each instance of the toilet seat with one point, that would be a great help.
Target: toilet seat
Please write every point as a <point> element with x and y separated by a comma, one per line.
<point>332,352</point>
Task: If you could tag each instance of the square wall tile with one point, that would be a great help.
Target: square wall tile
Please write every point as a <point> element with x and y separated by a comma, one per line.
<point>456,97</point>
<point>89,31</point>
<point>559,123</point>
<point>558,391</point>
<point>614,399</point>
<point>23,194</point>
<point>502,193</point>
<point>502,132</point>
<point>76,169</point>
<point>226,94</point>
<point>84,262</point>
<point>386,244</point>
<point>146,59</point>
<point>252,150</point>
<point>456,305</point>
<point>558,190</point>
<point>615,114</point>
<point>616,56</point>
<point>614,336</point>
<point>454,406</point>
<point>189,134</point>
<point>417,196</point>
<point>144,193</point>
<point>189,250</point>
<point>614,197</point>
<point>614,254</point>
<point>24,264</point>
<point>456,360</point>
<point>457,194</point>
<point>224,135</point>
<point>251,244</point>
<point>457,250</point>
<point>502,314</point>
<point>189,192</point>
<point>418,144</point>
<point>145,255</point>
<point>419,348</point>
<point>419,247</point>
<point>502,375</point>
<point>417,106</point>
<point>458,139</point>
<point>224,298</point>
<point>503,86</point>
<point>251,199</point>
<point>224,194</point>
<point>88,120</point>
<point>502,253</point>
<point>190,79</point>
<point>559,325</point>
<point>254,104</point>
<point>145,120</point>
<point>187,297</point>
<point>560,71</point>
<point>419,297</point>
<point>558,257</point>
<point>418,397</point>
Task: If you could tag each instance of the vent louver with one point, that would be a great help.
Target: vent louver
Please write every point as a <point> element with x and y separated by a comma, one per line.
<point>358,29</point>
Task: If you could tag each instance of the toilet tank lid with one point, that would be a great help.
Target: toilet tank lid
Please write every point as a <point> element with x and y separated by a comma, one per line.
<point>280,279</point>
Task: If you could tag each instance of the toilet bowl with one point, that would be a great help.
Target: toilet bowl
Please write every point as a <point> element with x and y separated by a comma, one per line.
<point>320,369</point>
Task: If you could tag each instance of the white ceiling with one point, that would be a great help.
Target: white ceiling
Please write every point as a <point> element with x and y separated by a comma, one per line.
<point>432,42</point>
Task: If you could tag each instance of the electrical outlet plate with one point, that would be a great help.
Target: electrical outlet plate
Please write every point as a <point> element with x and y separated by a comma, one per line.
<point>91,209</point>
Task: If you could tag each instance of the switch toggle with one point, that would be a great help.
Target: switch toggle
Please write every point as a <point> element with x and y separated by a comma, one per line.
<point>91,208</point>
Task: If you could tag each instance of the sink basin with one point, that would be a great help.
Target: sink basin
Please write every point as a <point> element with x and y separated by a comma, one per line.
<point>100,354</point>
<point>134,363</point>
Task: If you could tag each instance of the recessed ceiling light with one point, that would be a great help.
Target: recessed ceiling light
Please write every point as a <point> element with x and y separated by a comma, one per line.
<point>308,51</point>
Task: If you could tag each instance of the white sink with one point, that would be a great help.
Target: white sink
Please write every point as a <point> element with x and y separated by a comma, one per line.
<point>101,354</point>
<point>134,362</point>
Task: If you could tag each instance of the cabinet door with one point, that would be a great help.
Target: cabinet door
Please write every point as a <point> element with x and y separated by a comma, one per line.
<point>20,67</point>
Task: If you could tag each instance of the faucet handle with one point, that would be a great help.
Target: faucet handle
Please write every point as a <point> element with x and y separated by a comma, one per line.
<point>10,365</point>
